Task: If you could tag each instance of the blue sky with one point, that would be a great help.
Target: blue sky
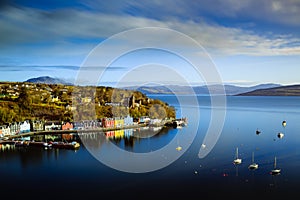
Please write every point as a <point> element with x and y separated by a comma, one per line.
<point>248,42</point>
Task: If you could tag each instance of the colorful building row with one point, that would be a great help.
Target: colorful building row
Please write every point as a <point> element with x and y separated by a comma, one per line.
<point>39,125</point>
<point>117,122</point>
<point>14,128</point>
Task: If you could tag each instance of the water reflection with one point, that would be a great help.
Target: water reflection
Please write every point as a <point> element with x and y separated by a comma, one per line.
<point>28,157</point>
<point>127,138</point>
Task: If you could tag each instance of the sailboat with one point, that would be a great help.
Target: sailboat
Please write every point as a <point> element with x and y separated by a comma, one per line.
<point>253,165</point>
<point>275,170</point>
<point>237,160</point>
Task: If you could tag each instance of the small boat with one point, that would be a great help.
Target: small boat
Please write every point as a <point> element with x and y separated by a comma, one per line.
<point>253,165</point>
<point>258,132</point>
<point>283,123</point>
<point>179,148</point>
<point>65,145</point>
<point>280,135</point>
<point>237,160</point>
<point>38,144</point>
<point>275,171</point>
<point>21,143</point>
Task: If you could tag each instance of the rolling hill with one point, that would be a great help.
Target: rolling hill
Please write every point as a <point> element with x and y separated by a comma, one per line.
<point>290,90</point>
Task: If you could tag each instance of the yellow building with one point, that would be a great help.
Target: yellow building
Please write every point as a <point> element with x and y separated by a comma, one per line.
<point>119,122</point>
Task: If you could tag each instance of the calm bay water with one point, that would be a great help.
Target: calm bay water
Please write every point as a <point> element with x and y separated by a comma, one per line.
<point>69,173</point>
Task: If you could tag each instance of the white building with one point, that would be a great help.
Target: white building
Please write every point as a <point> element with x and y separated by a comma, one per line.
<point>25,127</point>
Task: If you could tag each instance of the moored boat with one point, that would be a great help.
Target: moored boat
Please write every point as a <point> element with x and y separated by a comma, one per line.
<point>280,135</point>
<point>21,143</point>
<point>253,165</point>
<point>275,170</point>
<point>237,160</point>
<point>39,144</point>
<point>65,145</point>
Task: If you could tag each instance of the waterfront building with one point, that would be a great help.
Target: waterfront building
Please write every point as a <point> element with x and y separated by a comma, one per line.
<point>128,121</point>
<point>108,122</point>
<point>52,125</point>
<point>67,126</point>
<point>119,122</point>
<point>25,127</point>
<point>14,128</point>
<point>144,119</point>
<point>155,122</point>
<point>78,125</point>
<point>4,130</point>
<point>37,125</point>
<point>91,124</point>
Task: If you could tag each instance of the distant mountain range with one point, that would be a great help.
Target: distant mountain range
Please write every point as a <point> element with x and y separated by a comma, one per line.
<point>269,89</point>
<point>48,80</point>
<point>201,90</point>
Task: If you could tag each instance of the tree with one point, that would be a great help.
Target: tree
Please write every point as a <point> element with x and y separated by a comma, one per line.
<point>7,115</point>
<point>24,99</point>
<point>171,112</point>
<point>157,111</point>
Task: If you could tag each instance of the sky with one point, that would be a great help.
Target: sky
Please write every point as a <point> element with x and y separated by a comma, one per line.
<point>237,42</point>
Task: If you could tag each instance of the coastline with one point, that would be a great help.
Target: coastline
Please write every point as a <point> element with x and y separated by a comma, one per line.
<point>99,129</point>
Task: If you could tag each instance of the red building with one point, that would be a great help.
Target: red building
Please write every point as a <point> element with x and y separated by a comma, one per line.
<point>108,122</point>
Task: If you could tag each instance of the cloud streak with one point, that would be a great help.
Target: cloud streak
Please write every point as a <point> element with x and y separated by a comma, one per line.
<point>274,11</point>
<point>56,33</point>
<point>19,68</point>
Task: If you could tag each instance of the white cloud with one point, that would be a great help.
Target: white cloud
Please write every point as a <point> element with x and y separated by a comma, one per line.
<point>57,29</point>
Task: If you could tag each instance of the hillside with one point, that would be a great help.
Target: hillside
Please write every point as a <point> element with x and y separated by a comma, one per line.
<point>40,101</point>
<point>291,90</point>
